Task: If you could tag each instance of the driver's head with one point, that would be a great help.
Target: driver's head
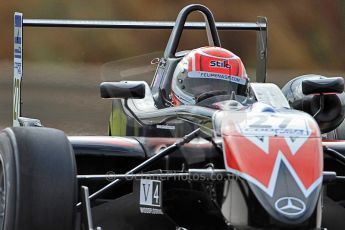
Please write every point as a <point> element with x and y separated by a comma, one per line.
<point>212,70</point>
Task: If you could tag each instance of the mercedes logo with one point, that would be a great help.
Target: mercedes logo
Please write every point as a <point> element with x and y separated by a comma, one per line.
<point>290,206</point>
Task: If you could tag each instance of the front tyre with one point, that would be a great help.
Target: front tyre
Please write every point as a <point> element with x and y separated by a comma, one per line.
<point>38,184</point>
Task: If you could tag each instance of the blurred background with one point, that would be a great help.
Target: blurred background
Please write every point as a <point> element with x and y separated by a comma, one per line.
<point>63,67</point>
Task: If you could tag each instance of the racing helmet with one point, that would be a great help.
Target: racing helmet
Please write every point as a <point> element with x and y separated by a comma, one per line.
<point>207,70</point>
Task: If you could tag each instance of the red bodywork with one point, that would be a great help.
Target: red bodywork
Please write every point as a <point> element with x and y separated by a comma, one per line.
<point>257,156</point>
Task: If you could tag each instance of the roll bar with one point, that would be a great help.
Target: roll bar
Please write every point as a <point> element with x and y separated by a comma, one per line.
<point>211,30</point>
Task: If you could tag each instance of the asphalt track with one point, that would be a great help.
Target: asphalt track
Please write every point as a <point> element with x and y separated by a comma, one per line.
<point>66,95</point>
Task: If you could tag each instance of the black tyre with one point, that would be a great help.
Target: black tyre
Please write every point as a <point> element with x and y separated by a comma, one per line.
<point>38,185</point>
<point>338,133</point>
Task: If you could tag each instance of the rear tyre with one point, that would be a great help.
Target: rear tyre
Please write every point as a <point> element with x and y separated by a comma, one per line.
<point>38,185</point>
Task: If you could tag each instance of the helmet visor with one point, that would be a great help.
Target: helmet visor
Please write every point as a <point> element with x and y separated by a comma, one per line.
<point>197,86</point>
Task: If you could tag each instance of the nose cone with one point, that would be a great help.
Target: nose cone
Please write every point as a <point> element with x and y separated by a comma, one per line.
<point>279,154</point>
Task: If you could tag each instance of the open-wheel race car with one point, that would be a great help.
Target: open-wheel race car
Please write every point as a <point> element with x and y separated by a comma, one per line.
<point>259,157</point>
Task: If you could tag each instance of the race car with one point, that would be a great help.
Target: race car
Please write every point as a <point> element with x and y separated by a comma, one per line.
<point>258,158</point>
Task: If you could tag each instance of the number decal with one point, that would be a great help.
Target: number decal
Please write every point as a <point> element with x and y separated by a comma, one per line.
<point>260,123</point>
<point>156,195</point>
<point>285,122</point>
<point>150,192</point>
<point>274,125</point>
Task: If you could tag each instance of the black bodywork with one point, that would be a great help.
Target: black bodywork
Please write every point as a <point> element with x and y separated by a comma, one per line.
<point>189,204</point>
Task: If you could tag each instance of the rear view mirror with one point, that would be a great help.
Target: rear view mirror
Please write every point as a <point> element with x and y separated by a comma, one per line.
<point>332,85</point>
<point>123,90</point>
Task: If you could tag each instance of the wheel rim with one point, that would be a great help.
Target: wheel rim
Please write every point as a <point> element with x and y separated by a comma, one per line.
<point>2,195</point>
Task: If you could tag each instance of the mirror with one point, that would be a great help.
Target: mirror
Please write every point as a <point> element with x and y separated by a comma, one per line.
<point>332,85</point>
<point>122,89</point>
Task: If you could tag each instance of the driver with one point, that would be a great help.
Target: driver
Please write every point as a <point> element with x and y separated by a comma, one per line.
<point>207,72</point>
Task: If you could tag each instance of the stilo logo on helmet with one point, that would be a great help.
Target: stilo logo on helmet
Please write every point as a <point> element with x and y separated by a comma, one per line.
<point>220,64</point>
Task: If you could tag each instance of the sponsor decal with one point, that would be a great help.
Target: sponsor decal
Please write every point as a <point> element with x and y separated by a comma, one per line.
<point>169,127</point>
<point>17,65</point>
<point>218,76</point>
<point>290,206</point>
<point>220,64</point>
<point>150,196</point>
<point>18,52</point>
<point>153,211</point>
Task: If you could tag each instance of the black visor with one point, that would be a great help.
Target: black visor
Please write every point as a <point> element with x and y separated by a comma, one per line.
<point>197,86</point>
